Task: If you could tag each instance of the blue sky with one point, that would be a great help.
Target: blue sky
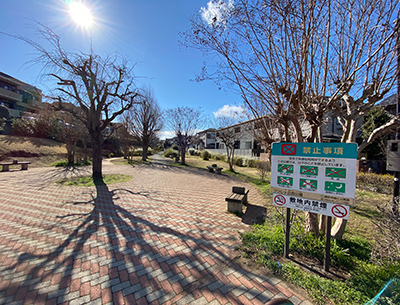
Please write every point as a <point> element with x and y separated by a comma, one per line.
<point>146,31</point>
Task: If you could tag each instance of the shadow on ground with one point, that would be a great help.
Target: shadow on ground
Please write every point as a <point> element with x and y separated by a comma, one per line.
<point>115,247</point>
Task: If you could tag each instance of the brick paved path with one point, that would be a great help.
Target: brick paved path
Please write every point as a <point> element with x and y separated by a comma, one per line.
<point>163,237</point>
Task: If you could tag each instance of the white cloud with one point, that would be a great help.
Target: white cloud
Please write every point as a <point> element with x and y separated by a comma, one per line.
<point>235,112</point>
<point>217,12</point>
<point>167,134</point>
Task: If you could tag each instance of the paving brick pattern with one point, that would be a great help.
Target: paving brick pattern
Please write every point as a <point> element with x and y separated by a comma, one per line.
<point>163,237</point>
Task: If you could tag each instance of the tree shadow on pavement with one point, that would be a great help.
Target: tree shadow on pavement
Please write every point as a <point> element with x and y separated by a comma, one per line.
<point>111,253</point>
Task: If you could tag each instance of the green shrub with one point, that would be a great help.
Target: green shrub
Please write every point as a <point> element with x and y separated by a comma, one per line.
<point>375,182</point>
<point>263,168</point>
<point>251,162</point>
<point>171,153</point>
<point>205,155</point>
<point>218,157</point>
<point>238,161</point>
<point>136,153</point>
<point>22,127</point>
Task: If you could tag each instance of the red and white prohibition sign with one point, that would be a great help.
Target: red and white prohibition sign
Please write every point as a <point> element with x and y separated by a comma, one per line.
<point>279,200</point>
<point>339,211</point>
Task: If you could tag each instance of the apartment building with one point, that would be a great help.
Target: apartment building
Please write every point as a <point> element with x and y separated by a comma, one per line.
<point>18,97</point>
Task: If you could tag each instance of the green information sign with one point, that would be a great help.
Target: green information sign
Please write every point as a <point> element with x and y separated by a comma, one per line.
<point>309,170</point>
<point>308,184</point>
<point>334,172</point>
<point>285,181</point>
<point>285,168</point>
<point>337,187</point>
<point>316,171</point>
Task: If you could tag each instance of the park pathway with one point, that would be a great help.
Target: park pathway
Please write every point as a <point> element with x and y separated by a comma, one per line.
<point>164,237</point>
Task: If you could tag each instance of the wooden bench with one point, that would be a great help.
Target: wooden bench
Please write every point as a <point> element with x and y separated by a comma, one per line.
<point>237,199</point>
<point>6,165</point>
<point>215,169</point>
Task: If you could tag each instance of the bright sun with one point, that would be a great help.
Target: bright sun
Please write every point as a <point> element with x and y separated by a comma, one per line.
<point>80,14</point>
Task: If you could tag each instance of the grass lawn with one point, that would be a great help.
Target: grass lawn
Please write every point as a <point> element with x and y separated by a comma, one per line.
<point>88,180</point>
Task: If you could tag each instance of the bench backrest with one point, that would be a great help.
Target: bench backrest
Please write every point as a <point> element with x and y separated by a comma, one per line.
<point>238,190</point>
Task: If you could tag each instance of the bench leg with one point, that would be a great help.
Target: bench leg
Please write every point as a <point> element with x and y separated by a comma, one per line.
<point>24,166</point>
<point>218,171</point>
<point>6,168</point>
<point>235,207</point>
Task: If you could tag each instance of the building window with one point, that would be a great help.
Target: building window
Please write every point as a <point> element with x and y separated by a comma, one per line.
<point>222,146</point>
<point>237,145</point>
<point>237,129</point>
<point>247,145</point>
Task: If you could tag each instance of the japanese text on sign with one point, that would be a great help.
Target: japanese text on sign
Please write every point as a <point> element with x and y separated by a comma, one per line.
<point>313,206</point>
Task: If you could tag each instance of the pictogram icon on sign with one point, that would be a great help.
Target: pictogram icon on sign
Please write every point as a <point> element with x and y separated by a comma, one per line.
<point>280,200</point>
<point>339,211</point>
<point>334,172</point>
<point>337,187</point>
<point>288,149</point>
<point>308,184</point>
<point>285,168</point>
<point>309,170</point>
<point>288,181</point>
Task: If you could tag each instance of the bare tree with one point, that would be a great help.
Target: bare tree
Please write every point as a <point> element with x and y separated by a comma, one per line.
<point>296,60</point>
<point>229,133</point>
<point>102,87</point>
<point>127,141</point>
<point>185,122</point>
<point>144,121</point>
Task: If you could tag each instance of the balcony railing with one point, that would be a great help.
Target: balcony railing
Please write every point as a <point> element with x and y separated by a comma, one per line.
<point>14,113</point>
<point>10,95</point>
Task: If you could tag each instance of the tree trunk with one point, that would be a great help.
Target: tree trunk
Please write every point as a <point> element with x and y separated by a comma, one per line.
<point>97,143</point>
<point>70,153</point>
<point>145,147</point>
<point>144,153</point>
<point>338,228</point>
<point>312,223</point>
<point>229,157</point>
<point>183,155</point>
<point>322,224</point>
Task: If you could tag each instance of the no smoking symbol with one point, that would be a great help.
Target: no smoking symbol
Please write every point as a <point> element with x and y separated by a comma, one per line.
<point>279,200</point>
<point>339,211</point>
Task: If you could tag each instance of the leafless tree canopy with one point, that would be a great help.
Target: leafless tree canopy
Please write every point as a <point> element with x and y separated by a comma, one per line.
<point>103,87</point>
<point>228,136</point>
<point>143,120</point>
<point>299,59</point>
<point>185,122</point>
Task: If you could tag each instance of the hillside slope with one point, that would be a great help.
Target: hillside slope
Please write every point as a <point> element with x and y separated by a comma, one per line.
<point>41,152</point>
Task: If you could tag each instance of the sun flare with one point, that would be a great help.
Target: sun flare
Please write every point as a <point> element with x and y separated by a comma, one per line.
<point>80,14</point>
